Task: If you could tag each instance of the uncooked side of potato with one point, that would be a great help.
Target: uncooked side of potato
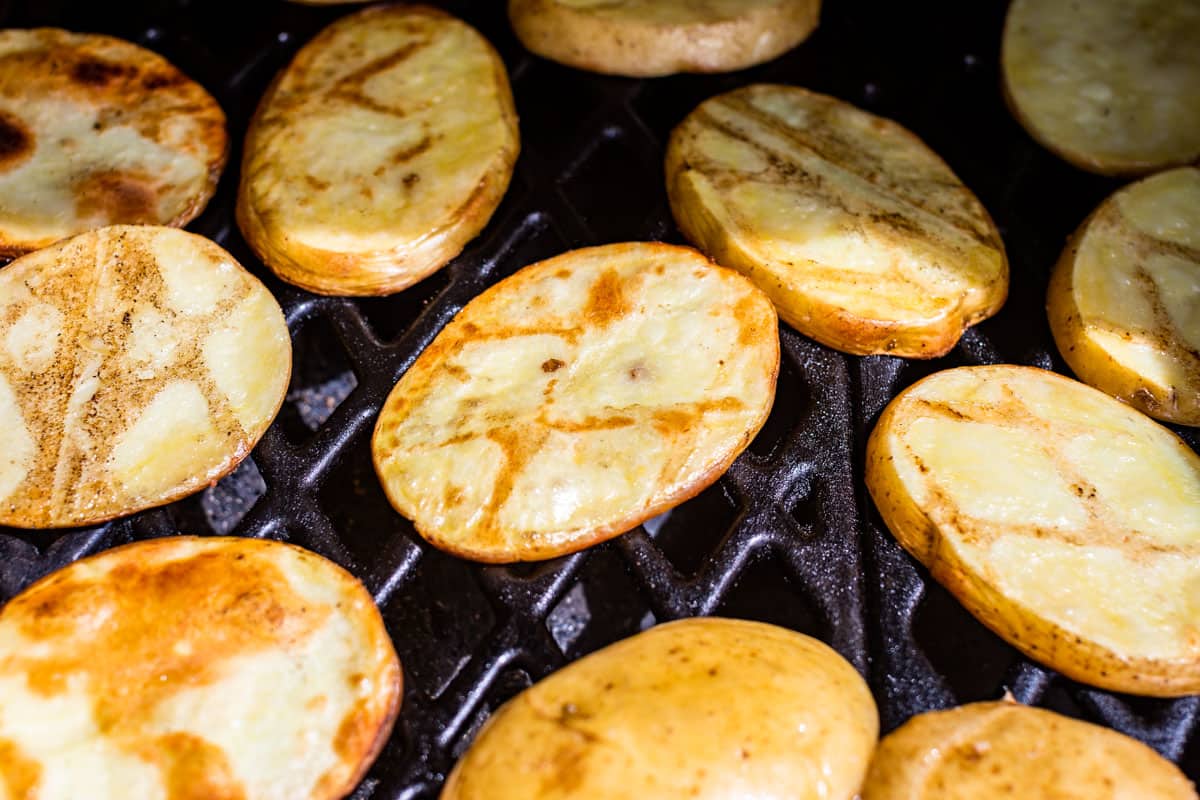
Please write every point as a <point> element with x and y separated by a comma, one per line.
<point>1124,299</point>
<point>95,131</point>
<point>1064,520</point>
<point>861,236</point>
<point>587,393</point>
<point>705,708</point>
<point>187,668</point>
<point>1004,749</point>
<point>649,38</point>
<point>1112,86</point>
<point>138,364</point>
<point>378,153</point>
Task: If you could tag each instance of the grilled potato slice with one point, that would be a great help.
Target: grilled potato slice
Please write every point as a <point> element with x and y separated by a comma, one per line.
<point>862,237</point>
<point>96,130</point>
<point>378,153</point>
<point>137,365</point>
<point>704,708</point>
<point>648,38</point>
<point>587,393</point>
<point>1112,86</point>
<point>1124,299</point>
<point>1067,522</point>
<point>1004,749</point>
<point>187,667</point>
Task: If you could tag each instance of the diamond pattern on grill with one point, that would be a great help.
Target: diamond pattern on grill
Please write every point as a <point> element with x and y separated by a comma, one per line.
<point>789,535</point>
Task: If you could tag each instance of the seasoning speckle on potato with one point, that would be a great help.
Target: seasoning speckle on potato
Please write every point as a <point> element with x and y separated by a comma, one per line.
<point>587,393</point>
<point>137,365</point>
<point>1066,521</point>
<point>95,131</point>
<point>178,668</point>
<point>706,708</point>
<point>378,153</point>
<point>861,236</point>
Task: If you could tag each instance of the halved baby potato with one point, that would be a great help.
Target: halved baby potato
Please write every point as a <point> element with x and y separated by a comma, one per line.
<point>1067,522</point>
<point>587,393</point>
<point>706,708</point>
<point>861,236</point>
<point>137,365</point>
<point>188,668</point>
<point>95,131</point>
<point>1112,86</point>
<point>648,38</point>
<point>378,153</point>
<point>1005,749</point>
<point>1124,299</point>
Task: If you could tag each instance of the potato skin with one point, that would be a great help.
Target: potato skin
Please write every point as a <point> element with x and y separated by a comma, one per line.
<point>1004,749</point>
<point>707,708</point>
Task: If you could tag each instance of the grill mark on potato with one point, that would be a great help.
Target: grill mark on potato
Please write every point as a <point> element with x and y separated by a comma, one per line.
<point>16,141</point>
<point>351,88</point>
<point>193,768</point>
<point>606,301</point>
<point>98,72</point>
<point>19,773</point>
<point>116,196</point>
<point>406,154</point>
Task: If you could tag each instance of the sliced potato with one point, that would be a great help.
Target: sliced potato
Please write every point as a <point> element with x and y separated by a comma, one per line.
<point>862,236</point>
<point>704,708</point>
<point>1124,299</point>
<point>1067,522</point>
<point>137,365</point>
<point>189,668</point>
<point>587,393</point>
<point>378,153</point>
<point>96,130</point>
<point>1004,749</point>
<point>647,38</point>
<point>1112,86</point>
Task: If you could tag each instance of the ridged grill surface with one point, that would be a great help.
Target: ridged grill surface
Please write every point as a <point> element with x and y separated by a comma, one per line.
<point>789,535</point>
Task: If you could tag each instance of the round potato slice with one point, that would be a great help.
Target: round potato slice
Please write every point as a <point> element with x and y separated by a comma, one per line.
<point>1124,299</point>
<point>189,668</point>
<point>137,365</point>
<point>648,38</point>
<point>703,708</point>
<point>862,236</point>
<point>587,393</point>
<point>1112,86</point>
<point>95,131</point>
<point>378,153</point>
<point>1067,522</point>
<point>1004,749</point>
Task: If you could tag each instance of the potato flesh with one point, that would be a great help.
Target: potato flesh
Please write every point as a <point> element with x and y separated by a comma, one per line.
<point>1111,85</point>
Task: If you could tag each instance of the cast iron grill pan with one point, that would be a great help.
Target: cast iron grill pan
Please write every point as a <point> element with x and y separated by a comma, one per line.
<point>788,536</point>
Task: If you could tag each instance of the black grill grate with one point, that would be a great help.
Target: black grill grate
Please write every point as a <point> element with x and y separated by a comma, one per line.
<point>789,535</point>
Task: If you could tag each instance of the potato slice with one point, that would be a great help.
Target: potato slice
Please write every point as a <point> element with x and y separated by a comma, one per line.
<point>862,237</point>
<point>1124,299</point>
<point>378,153</point>
<point>1067,522</point>
<point>703,708</point>
<point>187,667</point>
<point>648,38</point>
<point>1112,86</point>
<point>1004,749</point>
<point>96,130</point>
<point>137,365</point>
<point>587,393</point>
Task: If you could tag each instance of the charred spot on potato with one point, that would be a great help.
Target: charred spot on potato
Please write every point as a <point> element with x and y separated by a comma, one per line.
<point>97,72</point>
<point>553,365</point>
<point>16,141</point>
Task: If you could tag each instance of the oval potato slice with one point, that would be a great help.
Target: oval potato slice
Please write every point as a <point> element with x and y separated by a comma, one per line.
<point>648,38</point>
<point>587,393</point>
<point>137,365</point>
<point>1112,86</point>
<point>861,236</point>
<point>1004,749</point>
<point>95,131</point>
<point>378,153</point>
<point>1065,521</point>
<point>1124,299</point>
<point>187,667</point>
<point>704,708</point>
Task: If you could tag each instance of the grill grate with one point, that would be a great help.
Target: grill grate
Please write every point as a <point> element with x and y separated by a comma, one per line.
<point>789,535</point>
